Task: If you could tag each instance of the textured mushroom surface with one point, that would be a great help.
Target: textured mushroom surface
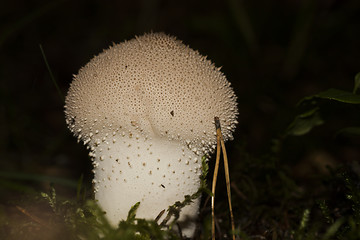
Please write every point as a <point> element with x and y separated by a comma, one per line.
<point>145,108</point>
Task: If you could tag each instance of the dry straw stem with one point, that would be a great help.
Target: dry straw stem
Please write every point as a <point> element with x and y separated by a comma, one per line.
<point>221,146</point>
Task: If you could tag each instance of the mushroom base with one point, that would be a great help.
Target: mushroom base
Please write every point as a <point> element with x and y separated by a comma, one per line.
<point>156,172</point>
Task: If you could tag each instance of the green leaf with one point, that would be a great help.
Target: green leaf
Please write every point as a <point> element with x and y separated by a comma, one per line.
<point>304,219</point>
<point>333,229</point>
<point>304,122</point>
<point>336,95</point>
<point>356,83</point>
<point>349,131</point>
<point>132,212</point>
<point>51,198</point>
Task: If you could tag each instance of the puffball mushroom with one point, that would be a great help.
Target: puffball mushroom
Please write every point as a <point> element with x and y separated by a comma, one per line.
<point>145,108</point>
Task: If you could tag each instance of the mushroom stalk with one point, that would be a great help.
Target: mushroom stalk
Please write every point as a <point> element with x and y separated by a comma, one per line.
<point>153,171</point>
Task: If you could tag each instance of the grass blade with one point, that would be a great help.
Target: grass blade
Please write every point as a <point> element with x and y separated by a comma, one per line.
<point>51,74</point>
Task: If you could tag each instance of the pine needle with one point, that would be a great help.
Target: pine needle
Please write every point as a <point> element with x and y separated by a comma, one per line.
<point>218,149</point>
<point>227,177</point>
<point>221,146</point>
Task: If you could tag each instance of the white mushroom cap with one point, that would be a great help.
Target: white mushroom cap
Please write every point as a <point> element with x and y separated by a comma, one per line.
<point>146,110</point>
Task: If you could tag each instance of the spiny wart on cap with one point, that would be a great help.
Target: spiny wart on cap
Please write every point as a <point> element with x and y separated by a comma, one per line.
<point>145,108</point>
<point>156,85</point>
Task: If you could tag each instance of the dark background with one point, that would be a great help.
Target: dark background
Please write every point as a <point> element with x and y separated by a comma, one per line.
<point>273,52</point>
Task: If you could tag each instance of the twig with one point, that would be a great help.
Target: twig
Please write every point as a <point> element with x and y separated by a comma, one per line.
<point>238,192</point>
<point>34,218</point>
